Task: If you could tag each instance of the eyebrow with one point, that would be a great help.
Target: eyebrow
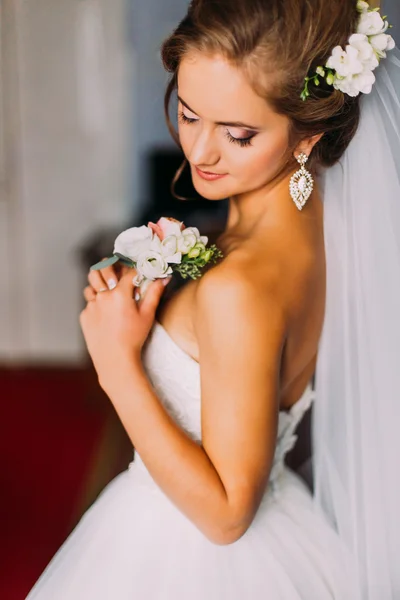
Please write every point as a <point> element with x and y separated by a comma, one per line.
<point>226,123</point>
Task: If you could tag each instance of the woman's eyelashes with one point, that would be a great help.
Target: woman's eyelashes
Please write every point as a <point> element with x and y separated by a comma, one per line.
<point>233,140</point>
<point>184,119</point>
<point>241,141</point>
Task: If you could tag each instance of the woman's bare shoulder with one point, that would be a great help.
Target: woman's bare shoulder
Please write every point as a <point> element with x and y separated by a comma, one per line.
<point>278,271</point>
<point>252,267</point>
<point>239,288</point>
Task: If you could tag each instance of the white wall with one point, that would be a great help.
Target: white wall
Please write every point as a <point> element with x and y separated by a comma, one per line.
<point>71,166</point>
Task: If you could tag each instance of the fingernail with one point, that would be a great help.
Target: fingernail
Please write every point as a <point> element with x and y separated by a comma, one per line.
<point>166,280</point>
<point>111,284</point>
<point>137,280</point>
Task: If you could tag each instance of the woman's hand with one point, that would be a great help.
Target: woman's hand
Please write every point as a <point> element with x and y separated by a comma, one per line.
<point>114,325</point>
<point>105,279</point>
<point>100,281</point>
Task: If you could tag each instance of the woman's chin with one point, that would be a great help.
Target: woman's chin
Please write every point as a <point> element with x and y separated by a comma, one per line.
<point>209,193</point>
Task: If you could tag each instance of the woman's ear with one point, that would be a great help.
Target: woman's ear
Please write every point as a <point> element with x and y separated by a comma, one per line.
<point>308,144</point>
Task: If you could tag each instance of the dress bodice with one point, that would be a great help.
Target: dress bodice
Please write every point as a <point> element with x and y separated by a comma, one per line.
<point>175,377</point>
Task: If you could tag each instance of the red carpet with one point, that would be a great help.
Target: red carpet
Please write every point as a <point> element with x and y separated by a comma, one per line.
<point>52,429</point>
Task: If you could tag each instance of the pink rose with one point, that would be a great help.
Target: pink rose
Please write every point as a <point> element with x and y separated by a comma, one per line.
<point>166,226</point>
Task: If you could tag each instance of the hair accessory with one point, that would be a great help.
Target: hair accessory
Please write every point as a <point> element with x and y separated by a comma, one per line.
<point>351,70</point>
<point>301,183</point>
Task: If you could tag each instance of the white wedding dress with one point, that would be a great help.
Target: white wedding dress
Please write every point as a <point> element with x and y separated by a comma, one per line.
<point>134,544</point>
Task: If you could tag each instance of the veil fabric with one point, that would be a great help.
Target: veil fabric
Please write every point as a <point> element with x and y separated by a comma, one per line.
<point>356,421</point>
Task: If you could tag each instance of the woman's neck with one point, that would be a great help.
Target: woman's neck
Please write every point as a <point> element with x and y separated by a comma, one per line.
<point>250,210</point>
<point>259,213</point>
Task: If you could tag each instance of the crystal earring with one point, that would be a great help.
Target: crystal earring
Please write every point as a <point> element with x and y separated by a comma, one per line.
<point>301,183</point>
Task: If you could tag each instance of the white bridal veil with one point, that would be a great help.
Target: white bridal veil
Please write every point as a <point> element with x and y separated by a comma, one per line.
<point>356,427</point>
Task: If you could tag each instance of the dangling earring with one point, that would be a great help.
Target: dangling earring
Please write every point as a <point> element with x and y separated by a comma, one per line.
<point>301,183</point>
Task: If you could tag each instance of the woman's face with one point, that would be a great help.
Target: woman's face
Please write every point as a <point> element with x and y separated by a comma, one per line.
<point>225,128</point>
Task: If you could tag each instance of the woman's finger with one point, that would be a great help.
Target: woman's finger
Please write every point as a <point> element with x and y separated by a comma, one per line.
<point>152,298</point>
<point>96,281</point>
<point>104,279</point>
<point>110,277</point>
<point>89,293</point>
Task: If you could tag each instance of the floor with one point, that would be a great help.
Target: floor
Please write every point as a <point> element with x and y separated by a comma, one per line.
<point>60,444</point>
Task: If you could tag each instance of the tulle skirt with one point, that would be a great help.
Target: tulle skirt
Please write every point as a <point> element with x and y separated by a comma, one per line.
<point>133,543</point>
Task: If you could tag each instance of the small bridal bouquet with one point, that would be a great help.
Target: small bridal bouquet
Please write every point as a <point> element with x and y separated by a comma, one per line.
<point>159,249</point>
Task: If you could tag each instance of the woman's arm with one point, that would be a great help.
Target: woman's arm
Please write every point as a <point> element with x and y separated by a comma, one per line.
<point>218,485</point>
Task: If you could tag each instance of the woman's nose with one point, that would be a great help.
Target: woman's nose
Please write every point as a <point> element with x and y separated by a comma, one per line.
<point>204,150</point>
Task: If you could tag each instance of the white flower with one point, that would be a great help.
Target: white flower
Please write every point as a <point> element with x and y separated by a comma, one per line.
<point>345,62</point>
<point>351,70</point>
<point>152,265</point>
<point>371,23</point>
<point>366,53</point>
<point>380,43</point>
<point>168,248</point>
<point>133,241</point>
<point>363,82</point>
<point>354,84</point>
<point>189,238</point>
<point>187,241</point>
<point>362,6</point>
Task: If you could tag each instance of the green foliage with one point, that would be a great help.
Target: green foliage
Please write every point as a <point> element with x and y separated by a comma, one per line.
<point>321,73</point>
<point>191,266</point>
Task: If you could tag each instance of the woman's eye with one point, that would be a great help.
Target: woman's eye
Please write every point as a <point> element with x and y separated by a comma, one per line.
<point>241,141</point>
<point>234,140</point>
<point>184,119</point>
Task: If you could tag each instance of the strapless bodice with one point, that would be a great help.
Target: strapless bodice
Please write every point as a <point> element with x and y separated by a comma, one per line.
<point>175,377</point>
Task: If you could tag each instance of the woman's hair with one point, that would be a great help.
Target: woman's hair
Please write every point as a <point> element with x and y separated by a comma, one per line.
<point>277,43</point>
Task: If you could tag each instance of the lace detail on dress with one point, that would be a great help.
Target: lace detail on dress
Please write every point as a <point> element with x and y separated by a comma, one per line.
<point>175,377</point>
<point>286,438</point>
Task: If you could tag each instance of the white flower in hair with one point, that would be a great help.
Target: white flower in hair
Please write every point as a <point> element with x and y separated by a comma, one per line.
<point>362,6</point>
<point>345,62</point>
<point>366,52</point>
<point>371,23</point>
<point>351,70</point>
<point>356,84</point>
<point>381,43</point>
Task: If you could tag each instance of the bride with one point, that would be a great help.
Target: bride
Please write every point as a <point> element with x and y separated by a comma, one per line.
<point>283,109</point>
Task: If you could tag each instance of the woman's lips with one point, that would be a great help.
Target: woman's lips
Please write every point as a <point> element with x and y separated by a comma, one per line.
<point>209,176</point>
